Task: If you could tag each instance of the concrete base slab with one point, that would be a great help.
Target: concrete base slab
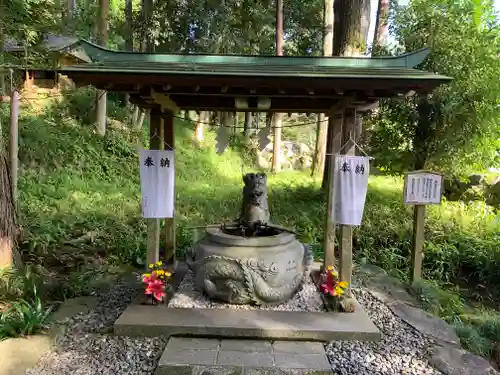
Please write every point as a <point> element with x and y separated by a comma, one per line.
<point>142,319</point>
<point>20,354</point>
<point>238,357</point>
<point>151,321</point>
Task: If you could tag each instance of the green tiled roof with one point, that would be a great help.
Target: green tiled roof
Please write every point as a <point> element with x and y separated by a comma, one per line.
<point>409,60</point>
<point>313,71</point>
<point>390,67</point>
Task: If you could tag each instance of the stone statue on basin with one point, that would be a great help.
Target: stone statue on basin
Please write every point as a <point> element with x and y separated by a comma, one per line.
<point>250,261</point>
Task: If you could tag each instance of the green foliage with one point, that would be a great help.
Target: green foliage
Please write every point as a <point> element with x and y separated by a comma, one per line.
<point>472,340</point>
<point>440,302</point>
<point>454,128</point>
<point>21,309</point>
<point>23,318</point>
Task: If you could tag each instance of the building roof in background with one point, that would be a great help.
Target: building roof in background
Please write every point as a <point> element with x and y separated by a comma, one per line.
<point>52,43</point>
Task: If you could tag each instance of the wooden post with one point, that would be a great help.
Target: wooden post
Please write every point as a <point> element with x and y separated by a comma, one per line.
<point>334,144</point>
<point>421,188</point>
<point>345,269</point>
<point>8,253</point>
<point>168,131</point>
<point>418,241</point>
<point>153,241</point>
<point>14,142</point>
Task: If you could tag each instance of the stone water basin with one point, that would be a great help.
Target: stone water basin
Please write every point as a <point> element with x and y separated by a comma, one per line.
<point>265,269</point>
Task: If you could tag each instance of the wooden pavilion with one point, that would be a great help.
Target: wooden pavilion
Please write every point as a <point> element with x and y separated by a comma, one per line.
<point>336,86</point>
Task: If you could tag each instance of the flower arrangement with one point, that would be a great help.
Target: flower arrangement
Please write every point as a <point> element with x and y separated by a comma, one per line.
<point>156,282</point>
<point>332,288</point>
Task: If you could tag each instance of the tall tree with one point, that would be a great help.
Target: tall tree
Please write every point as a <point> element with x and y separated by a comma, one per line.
<point>129,21</point>
<point>68,12</point>
<point>103,41</point>
<point>129,46</point>
<point>381,30</point>
<point>322,128</point>
<point>454,129</point>
<point>349,39</point>
<point>148,40</point>
<point>278,116</point>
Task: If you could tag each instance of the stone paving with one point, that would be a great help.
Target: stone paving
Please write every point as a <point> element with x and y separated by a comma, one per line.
<point>195,356</point>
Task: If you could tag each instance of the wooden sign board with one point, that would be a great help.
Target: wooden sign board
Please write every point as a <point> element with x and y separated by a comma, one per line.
<point>423,187</point>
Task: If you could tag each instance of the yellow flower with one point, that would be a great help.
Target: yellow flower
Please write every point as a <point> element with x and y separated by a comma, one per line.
<point>151,266</point>
<point>335,273</point>
<point>339,291</point>
<point>159,272</point>
<point>168,274</point>
<point>159,263</point>
<point>330,268</point>
<point>146,275</point>
<point>343,284</point>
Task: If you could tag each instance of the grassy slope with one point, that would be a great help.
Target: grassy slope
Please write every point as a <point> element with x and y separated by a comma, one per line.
<point>73,182</point>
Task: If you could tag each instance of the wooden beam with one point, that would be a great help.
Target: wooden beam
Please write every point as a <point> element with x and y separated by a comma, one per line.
<point>169,231</point>
<point>153,225</point>
<point>227,104</point>
<point>339,85</point>
<point>164,101</point>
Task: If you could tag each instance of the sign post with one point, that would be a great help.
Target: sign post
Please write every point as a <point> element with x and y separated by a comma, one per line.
<point>420,189</point>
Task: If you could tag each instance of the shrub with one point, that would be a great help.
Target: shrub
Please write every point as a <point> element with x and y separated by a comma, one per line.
<point>21,309</point>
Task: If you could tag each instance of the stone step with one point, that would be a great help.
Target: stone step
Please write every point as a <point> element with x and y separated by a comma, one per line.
<point>141,320</point>
<point>197,356</point>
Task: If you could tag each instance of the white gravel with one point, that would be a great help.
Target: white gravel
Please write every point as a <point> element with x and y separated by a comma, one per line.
<point>87,349</point>
<point>307,299</point>
<point>402,350</point>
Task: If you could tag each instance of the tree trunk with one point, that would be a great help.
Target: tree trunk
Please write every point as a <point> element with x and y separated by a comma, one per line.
<point>235,122</point>
<point>322,127</point>
<point>69,11</point>
<point>140,122</point>
<point>129,31</point>
<point>147,13</point>
<point>380,33</point>
<point>349,39</point>
<point>276,165</point>
<point>135,118</point>
<point>103,41</point>
<point>9,254</point>
<point>129,37</point>
<point>200,124</point>
<point>2,76</point>
<point>247,124</point>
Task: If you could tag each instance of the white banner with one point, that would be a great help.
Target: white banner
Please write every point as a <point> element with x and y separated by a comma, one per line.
<point>157,174</point>
<point>350,176</point>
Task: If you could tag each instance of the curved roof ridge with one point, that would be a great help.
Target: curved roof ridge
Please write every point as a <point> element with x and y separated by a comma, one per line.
<point>407,60</point>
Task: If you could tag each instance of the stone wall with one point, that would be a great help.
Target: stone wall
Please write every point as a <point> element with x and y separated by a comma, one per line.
<point>294,155</point>
<point>476,187</point>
